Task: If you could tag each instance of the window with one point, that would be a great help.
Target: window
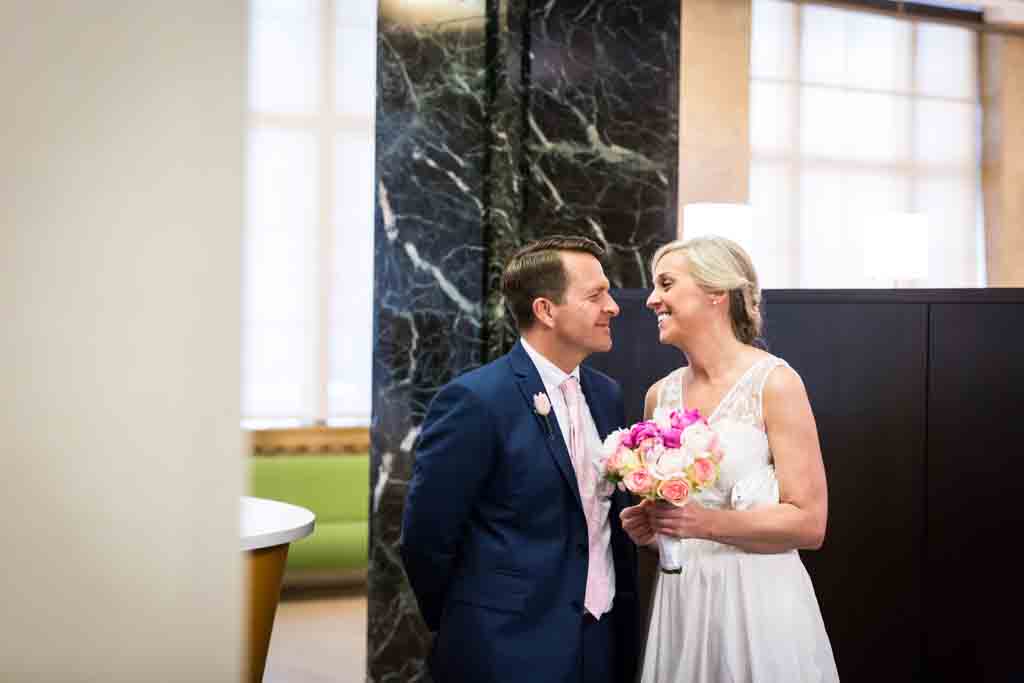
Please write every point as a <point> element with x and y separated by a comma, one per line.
<point>308,261</point>
<point>857,119</point>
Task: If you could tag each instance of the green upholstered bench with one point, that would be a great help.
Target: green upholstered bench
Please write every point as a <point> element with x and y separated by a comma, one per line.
<point>336,488</point>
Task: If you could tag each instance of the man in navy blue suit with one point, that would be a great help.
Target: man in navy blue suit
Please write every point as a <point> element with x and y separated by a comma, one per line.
<point>512,545</point>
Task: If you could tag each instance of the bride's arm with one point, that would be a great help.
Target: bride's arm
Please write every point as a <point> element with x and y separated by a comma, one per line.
<point>798,521</point>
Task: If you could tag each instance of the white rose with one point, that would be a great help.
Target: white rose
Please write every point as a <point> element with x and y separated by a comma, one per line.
<point>672,462</point>
<point>612,442</point>
<point>698,438</point>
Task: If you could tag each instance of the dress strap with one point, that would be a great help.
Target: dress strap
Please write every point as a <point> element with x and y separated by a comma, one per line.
<point>670,391</point>
<point>762,379</point>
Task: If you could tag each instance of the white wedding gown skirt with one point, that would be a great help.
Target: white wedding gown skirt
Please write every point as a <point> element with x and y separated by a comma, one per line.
<point>736,617</point>
<point>730,616</point>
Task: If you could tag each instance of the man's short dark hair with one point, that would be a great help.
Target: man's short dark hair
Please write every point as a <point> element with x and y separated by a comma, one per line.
<point>537,270</point>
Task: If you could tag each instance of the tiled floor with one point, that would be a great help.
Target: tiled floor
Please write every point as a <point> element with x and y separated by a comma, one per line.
<point>318,638</point>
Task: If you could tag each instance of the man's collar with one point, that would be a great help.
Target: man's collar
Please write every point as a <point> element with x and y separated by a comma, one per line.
<point>549,372</point>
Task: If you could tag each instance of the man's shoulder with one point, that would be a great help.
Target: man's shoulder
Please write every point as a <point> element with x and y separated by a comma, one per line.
<point>487,381</point>
<point>599,379</point>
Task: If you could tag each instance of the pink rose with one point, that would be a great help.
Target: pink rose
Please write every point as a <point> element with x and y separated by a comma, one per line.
<point>675,491</point>
<point>639,481</point>
<point>647,445</point>
<point>640,432</point>
<point>704,472</point>
<point>682,420</point>
<point>672,437</point>
<point>612,464</point>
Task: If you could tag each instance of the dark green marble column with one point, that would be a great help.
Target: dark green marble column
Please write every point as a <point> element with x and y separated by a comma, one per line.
<point>498,122</point>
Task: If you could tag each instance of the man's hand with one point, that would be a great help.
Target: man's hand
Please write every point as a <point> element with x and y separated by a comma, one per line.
<point>636,523</point>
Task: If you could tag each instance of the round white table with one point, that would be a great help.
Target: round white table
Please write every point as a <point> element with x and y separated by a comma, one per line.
<point>267,528</point>
<point>267,523</point>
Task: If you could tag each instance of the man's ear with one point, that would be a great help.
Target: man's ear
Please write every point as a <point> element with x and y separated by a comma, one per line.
<point>542,312</point>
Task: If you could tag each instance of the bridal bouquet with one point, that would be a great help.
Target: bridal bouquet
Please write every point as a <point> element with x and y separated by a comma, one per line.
<point>671,458</point>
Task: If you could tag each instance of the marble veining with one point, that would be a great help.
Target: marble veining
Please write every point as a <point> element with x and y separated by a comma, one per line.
<point>429,289</point>
<point>603,124</point>
<point>537,118</point>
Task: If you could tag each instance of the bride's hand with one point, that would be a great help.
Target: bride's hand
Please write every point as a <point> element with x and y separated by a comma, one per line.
<point>636,523</point>
<point>689,521</point>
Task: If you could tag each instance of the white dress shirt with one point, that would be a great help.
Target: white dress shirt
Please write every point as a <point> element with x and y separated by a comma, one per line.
<point>552,376</point>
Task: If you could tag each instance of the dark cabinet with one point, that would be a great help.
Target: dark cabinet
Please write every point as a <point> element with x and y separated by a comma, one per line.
<point>975,489</point>
<point>919,400</point>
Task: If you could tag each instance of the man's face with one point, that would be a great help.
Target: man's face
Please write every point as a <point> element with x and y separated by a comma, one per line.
<point>582,320</point>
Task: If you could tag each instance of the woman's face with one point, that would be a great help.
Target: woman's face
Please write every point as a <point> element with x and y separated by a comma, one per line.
<point>681,305</point>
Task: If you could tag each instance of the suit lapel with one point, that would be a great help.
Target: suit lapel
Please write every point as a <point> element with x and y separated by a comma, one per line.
<point>597,406</point>
<point>530,385</point>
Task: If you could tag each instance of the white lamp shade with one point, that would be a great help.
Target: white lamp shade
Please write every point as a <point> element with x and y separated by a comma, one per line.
<point>896,247</point>
<point>732,221</point>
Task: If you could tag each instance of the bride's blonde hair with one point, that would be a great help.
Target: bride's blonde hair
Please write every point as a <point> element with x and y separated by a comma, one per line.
<point>718,264</point>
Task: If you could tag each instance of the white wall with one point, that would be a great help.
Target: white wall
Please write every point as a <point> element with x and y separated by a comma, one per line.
<point>121,183</point>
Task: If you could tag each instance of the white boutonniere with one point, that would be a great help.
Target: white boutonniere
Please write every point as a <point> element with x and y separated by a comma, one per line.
<point>542,406</point>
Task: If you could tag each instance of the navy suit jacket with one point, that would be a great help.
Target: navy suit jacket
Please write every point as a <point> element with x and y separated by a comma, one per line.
<point>494,538</point>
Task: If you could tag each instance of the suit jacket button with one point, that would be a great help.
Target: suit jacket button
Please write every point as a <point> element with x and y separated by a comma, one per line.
<point>582,547</point>
<point>576,605</point>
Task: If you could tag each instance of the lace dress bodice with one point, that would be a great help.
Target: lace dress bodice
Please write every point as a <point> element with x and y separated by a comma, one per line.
<point>747,475</point>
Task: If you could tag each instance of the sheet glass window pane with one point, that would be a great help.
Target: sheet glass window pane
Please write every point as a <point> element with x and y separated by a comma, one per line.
<point>772,199</point>
<point>773,43</point>
<point>280,285</point>
<point>351,349</point>
<point>772,117</point>
<point>946,63</point>
<point>284,56</point>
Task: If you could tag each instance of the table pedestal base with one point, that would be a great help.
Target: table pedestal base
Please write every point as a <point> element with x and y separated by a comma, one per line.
<point>265,568</point>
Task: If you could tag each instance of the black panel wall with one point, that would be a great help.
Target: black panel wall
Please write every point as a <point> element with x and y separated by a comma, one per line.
<point>916,397</point>
<point>975,475</point>
<point>864,368</point>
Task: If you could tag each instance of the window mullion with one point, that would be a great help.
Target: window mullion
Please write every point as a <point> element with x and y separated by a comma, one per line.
<point>325,249</point>
<point>913,161</point>
<point>795,168</point>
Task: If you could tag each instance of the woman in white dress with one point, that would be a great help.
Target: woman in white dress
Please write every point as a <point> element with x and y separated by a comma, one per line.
<point>742,608</point>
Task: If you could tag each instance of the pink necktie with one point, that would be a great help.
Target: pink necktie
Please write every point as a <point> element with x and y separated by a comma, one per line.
<point>596,598</point>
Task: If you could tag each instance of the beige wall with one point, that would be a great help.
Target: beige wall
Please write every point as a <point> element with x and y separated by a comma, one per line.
<point>1003,165</point>
<point>121,176</point>
<point>714,106</point>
